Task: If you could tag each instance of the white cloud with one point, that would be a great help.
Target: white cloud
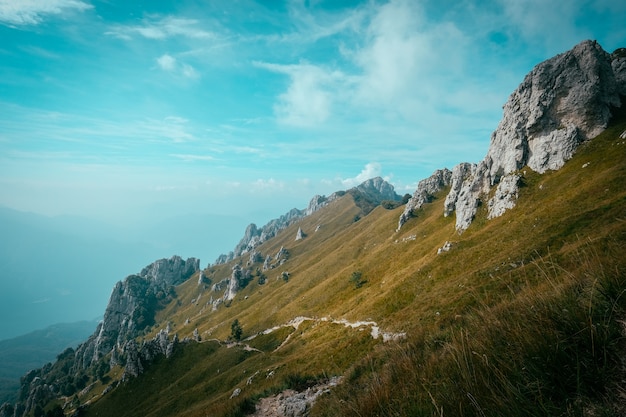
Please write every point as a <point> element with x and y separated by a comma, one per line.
<point>160,28</point>
<point>399,64</point>
<point>189,72</point>
<point>530,18</point>
<point>167,62</point>
<point>262,185</point>
<point>193,157</point>
<point>371,170</point>
<point>407,62</point>
<point>170,64</point>
<point>172,128</point>
<point>32,12</point>
<point>308,100</point>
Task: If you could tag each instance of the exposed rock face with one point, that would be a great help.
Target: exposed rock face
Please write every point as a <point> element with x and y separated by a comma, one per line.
<point>505,196</point>
<point>318,202</point>
<point>138,357</point>
<point>300,234</point>
<point>377,189</point>
<point>132,306</point>
<point>460,174</point>
<point>238,280</point>
<point>561,103</point>
<point>426,189</point>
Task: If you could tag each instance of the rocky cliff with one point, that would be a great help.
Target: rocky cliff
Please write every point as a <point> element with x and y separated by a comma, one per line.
<point>131,309</point>
<point>133,304</point>
<point>561,103</point>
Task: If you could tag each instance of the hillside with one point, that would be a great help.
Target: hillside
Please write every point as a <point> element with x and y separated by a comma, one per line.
<point>515,314</point>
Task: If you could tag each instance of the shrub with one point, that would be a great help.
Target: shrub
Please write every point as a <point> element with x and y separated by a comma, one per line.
<point>357,279</point>
<point>236,330</point>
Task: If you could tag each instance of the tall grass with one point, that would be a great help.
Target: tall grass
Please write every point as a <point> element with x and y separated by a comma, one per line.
<point>554,350</point>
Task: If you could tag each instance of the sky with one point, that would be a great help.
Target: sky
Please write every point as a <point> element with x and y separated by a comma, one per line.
<point>124,110</point>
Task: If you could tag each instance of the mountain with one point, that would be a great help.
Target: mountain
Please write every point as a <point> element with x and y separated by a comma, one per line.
<point>35,349</point>
<point>367,195</point>
<point>516,310</point>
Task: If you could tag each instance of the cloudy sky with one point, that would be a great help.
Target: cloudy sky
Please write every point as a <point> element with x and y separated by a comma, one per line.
<point>121,109</point>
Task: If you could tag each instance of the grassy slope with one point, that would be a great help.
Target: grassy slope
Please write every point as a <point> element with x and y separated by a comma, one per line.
<point>519,318</point>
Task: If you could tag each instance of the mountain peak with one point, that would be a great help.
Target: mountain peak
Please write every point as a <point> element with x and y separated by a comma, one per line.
<point>378,189</point>
<point>561,103</point>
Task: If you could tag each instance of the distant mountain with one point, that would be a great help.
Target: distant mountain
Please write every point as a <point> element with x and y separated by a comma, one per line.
<point>35,349</point>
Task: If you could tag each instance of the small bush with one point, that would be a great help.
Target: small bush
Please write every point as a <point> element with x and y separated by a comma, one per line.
<point>357,279</point>
<point>236,330</point>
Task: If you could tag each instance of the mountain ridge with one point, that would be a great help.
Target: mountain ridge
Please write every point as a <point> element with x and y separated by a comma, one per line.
<point>369,194</point>
<point>459,308</point>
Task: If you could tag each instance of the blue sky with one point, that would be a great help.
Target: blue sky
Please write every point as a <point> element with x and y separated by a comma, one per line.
<point>121,109</point>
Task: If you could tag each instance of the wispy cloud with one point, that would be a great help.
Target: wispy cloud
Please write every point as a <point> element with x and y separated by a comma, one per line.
<point>265,185</point>
<point>193,157</point>
<point>173,128</point>
<point>308,100</point>
<point>33,12</point>
<point>162,27</point>
<point>170,64</point>
<point>529,18</point>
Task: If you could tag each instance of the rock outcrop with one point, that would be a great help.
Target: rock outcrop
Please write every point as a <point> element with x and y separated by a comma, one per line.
<point>139,357</point>
<point>132,306</point>
<point>561,103</point>
<point>425,192</point>
<point>377,190</point>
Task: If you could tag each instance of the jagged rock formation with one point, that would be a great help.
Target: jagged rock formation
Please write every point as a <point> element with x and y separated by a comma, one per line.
<point>300,234</point>
<point>426,189</point>
<point>371,192</point>
<point>138,357</point>
<point>132,306</point>
<point>561,103</point>
<point>377,190</point>
<point>238,280</point>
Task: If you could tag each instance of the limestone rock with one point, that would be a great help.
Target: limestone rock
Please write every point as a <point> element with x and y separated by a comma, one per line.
<point>300,234</point>
<point>234,283</point>
<point>267,264</point>
<point>318,202</point>
<point>460,173</point>
<point>128,310</point>
<point>505,196</point>
<point>426,189</point>
<point>235,393</point>
<point>377,189</point>
<point>561,103</point>
<point>445,248</point>
<point>138,358</point>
